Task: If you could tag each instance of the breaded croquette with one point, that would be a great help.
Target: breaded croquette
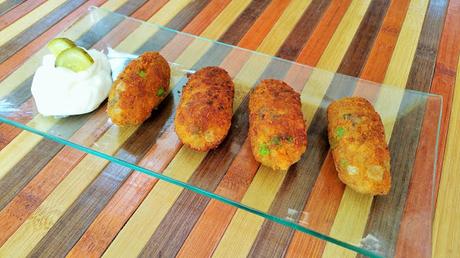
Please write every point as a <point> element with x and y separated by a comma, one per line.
<point>276,126</point>
<point>205,110</point>
<point>141,86</point>
<point>358,145</point>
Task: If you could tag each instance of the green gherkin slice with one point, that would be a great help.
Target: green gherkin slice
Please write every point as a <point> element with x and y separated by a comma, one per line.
<point>75,59</point>
<point>57,45</point>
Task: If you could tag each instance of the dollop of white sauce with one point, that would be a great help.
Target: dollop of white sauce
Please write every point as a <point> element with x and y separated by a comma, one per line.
<point>59,91</point>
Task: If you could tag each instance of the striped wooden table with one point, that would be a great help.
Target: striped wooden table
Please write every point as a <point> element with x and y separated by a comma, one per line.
<point>55,200</point>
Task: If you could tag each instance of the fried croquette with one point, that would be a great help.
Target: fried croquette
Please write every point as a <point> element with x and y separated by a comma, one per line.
<point>205,110</point>
<point>357,139</point>
<point>276,127</point>
<point>142,85</point>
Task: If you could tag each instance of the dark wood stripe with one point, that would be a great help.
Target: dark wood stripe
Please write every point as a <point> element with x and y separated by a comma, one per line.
<point>187,14</point>
<point>242,24</point>
<point>15,44</point>
<point>295,190</point>
<point>386,212</point>
<point>8,5</point>
<point>303,29</point>
<point>360,47</point>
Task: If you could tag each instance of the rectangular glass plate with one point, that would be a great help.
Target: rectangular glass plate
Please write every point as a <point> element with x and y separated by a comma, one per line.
<point>308,197</point>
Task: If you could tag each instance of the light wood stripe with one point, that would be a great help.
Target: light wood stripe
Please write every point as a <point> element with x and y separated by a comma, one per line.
<point>27,20</point>
<point>344,33</point>
<point>356,213</point>
<point>448,208</point>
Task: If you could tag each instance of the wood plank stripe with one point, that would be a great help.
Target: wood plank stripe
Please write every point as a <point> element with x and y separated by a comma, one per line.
<point>351,219</point>
<point>8,5</point>
<point>391,210</point>
<point>321,215</point>
<point>303,29</point>
<point>344,32</point>
<point>447,210</point>
<point>317,43</point>
<point>243,24</point>
<point>296,187</point>
<point>186,15</point>
<point>20,10</point>
<point>205,17</point>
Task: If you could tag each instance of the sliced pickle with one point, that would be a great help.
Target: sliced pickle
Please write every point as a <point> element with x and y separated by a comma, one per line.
<point>75,59</point>
<point>57,45</point>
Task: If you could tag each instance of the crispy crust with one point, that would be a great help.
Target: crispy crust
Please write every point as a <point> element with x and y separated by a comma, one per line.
<point>357,139</point>
<point>205,111</point>
<point>276,126</point>
<point>137,90</point>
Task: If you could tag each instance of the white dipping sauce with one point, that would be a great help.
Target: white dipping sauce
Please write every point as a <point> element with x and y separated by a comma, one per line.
<point>59,91</point>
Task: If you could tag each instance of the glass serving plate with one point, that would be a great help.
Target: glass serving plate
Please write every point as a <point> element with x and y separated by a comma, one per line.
<point>308,197</point>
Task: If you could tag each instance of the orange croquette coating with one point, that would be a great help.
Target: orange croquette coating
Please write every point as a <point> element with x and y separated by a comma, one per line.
<point>276,127</point>
<point>142,85</point>
<point>357,139</point>
<point>204,114</point>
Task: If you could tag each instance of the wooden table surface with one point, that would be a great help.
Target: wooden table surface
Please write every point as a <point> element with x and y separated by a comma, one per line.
<point>46,209</point>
